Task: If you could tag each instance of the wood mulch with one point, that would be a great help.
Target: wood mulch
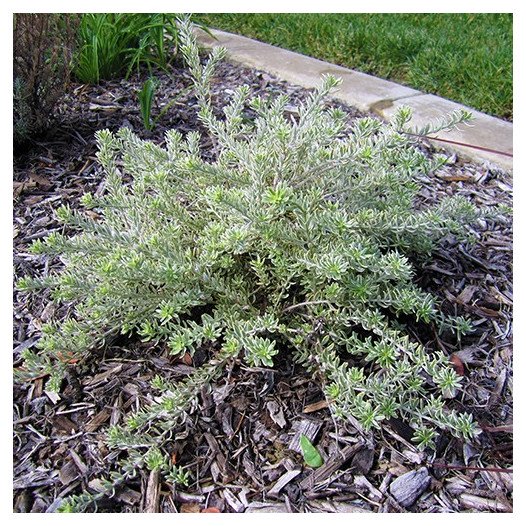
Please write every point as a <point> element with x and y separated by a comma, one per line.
<point>241,444</point>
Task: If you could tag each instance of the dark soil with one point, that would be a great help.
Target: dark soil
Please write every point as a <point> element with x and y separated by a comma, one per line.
<point>240,444</point>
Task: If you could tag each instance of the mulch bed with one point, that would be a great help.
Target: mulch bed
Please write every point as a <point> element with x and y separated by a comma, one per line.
<point>241,443</point>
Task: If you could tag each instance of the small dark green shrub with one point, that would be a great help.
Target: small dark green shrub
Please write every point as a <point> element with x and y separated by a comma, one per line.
<point>295,240</point>
<point>43,45</point>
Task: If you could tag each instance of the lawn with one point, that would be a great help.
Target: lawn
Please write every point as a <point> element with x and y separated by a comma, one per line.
<point>463,57</point>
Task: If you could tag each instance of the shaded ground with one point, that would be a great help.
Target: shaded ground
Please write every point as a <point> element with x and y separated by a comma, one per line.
<point>241,443</point>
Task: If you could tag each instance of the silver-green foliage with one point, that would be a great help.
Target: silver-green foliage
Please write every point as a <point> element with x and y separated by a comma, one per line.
<point>294,240</point>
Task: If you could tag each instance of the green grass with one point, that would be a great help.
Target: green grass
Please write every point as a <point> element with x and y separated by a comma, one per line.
<point>463,57</point>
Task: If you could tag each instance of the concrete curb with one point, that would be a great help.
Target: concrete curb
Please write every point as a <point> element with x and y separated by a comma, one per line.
<point>372,94</point>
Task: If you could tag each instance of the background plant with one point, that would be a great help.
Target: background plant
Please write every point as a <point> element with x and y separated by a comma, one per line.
<point>113,44</point>
<point>294,241</point>
<point>43,46</point>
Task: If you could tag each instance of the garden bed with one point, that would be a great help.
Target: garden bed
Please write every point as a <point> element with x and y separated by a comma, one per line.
<point>241,443</point>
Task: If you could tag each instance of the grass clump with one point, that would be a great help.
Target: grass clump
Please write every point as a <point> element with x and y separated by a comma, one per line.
<point>294,241</point>
<point>113,44</point>
<point>465,57</point>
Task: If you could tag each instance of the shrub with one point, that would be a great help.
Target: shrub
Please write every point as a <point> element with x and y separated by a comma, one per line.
<point>295,241</point>
<point>42,49</point>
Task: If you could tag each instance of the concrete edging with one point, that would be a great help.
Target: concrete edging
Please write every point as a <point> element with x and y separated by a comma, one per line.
<point>372,94</point>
